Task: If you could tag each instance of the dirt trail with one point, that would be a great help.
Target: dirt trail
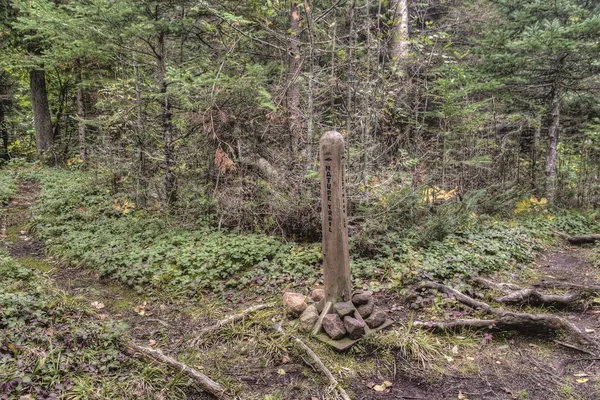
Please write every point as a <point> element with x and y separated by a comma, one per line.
<point>510,366</point>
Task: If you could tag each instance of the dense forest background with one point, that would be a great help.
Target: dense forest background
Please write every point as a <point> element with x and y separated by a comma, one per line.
<point>211,111</point>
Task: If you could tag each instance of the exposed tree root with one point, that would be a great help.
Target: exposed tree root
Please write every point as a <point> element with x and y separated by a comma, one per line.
<point>532,296</point>
<point>233,318</point>
<point>505,320</point>
<point>334,383</point>
<point>205,383</point>
<point>567,285</point>
<point>514,294</point>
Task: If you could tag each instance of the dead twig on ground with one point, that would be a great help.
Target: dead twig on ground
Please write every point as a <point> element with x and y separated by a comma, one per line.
<point>205,383</point>
<point>334,383</point>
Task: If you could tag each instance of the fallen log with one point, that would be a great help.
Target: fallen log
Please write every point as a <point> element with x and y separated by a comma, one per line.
<point>203,381</point>
<point>583,239</point>
<point>505,320</point>
<point>577,240</point>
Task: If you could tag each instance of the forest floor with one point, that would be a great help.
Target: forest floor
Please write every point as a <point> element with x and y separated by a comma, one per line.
<point>257,362</point>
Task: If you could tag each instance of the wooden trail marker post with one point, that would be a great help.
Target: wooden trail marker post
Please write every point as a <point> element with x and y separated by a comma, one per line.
<point>336,257</point>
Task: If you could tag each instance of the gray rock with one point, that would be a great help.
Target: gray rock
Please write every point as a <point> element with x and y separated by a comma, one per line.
<point>317,295</point>
<point>343,309</point>
<point>354,327</point>
<point>376,318</point>
<point>320,305</point>
<point>366,309</point>
<point>294,302</point>
<point>361,297</point>
<point>334,327</point>
<point>308,318</point>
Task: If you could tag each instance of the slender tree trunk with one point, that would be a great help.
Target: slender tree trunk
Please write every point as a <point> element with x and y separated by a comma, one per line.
<point>81,117</point>
<point>3,133</point>
<point>41,111</point>
<point>141,197</point>
<point>167,125</point>
<point>399,33</point>
<point>537,133</point>
<point>294,70</point>
<point>552,153</point>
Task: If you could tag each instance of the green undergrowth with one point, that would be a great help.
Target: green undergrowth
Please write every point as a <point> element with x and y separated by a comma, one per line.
<point>8,189</point>
<point>81,221</point>
<point>51,347</point>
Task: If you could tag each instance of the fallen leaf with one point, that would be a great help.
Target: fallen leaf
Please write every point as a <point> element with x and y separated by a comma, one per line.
<point>581,380</point>
<point>455,349</point>
<point>97,305</point>
<point>379,388</point>
<point>370,385</point>
<point>387,384</point>
<point>281,371</point>
<point>448,358</point>
<point>580,374</point>
<point>589,330</point>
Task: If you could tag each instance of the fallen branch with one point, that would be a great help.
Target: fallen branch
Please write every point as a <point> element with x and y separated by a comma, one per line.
<point>231,319</point>
<point>463,298</point>
<point>334,383</point>
<point>205,383</point>
<point>505,320</point>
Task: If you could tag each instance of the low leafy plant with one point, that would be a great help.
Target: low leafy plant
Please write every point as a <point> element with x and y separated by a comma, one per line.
<point>51,348</point>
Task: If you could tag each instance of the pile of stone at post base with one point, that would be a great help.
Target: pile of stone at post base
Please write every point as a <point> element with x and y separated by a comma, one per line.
<point>346,319</point>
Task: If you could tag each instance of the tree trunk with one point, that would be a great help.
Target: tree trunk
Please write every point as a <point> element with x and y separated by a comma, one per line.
<point>552,155</point>
<point>294,70</point>
<point>41,111</point>
<point>399,33</point>
<point>141,183</point>
<point>4,107</point>
<point>534,154</point>
<point>3,133</point>
<point>81,117</point>
<point>167,125</point>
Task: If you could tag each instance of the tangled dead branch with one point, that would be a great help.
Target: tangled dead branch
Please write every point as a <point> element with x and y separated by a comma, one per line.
<point>505,320</point>
<point>229,320</point>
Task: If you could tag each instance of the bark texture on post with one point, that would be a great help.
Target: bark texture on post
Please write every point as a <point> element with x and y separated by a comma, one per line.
<point>336,259</point>
<point>41,111</point>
